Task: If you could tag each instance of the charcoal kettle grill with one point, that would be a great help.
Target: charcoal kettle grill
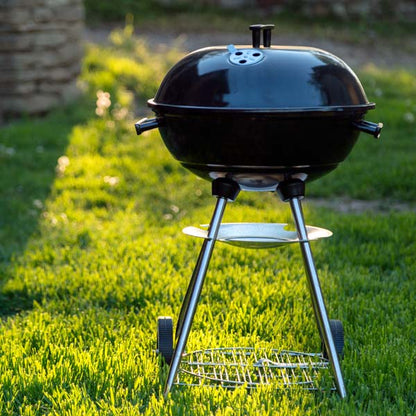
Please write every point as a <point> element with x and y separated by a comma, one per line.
<point>257,118</point>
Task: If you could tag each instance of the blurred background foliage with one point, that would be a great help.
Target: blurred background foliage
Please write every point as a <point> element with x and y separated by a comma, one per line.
<point>202,15</point>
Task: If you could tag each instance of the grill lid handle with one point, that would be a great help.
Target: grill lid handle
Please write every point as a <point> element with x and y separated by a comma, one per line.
<point>369,127</point>
<point>146,124</point>
<point>267,34</point>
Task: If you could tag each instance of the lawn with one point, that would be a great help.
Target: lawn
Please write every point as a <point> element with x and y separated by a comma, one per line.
<point>92,252</point>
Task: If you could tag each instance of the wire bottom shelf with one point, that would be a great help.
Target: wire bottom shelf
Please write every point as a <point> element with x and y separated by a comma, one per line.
<point>251,367</point>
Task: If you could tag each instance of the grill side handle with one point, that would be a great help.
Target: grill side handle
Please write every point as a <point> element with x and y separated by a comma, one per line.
<point>369,127</point>
<point>146,124</point>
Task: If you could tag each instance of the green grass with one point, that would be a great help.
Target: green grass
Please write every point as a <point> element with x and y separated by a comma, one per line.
<point>92,253</point>
<point>384,168</point>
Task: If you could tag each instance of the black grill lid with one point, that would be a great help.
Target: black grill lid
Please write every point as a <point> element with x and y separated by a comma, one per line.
<point>265,79</point>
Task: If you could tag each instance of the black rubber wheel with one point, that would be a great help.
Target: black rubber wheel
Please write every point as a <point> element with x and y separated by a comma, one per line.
<point>165,338</point>
<point>337,331</point>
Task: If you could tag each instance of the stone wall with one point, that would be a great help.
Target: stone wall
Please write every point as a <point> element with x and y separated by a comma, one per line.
<point>40,54</point>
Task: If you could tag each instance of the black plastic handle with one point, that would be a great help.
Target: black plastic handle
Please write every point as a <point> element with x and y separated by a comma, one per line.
<point>368,127</point>
<point>267,34</point>
<point>146,124</point>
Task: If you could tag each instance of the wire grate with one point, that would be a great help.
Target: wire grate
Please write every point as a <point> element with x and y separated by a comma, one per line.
<point>233,367</point>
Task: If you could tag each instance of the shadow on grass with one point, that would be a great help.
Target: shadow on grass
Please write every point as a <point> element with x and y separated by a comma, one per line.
<point>29,149</point>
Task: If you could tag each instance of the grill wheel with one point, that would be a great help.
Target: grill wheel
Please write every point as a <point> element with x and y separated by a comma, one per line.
<point>165,338</point>
<point>338,334</point>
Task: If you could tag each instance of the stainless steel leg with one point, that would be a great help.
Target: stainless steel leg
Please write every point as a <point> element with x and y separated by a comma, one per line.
<point>194,291</point>
<point>316,294</point>
<point>189,291</point>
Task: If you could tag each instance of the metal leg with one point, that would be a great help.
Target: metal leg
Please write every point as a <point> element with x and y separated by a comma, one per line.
<point>189,291</point>
<point>316,294</point>
<point>194,290</point>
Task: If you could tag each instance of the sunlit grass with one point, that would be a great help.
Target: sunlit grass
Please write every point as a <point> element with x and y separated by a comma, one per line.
<point>92,253</point>
<point>385,167</point>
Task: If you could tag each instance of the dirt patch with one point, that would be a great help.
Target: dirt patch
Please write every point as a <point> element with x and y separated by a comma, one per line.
<point>380,53</point>
<point>351,206</point>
